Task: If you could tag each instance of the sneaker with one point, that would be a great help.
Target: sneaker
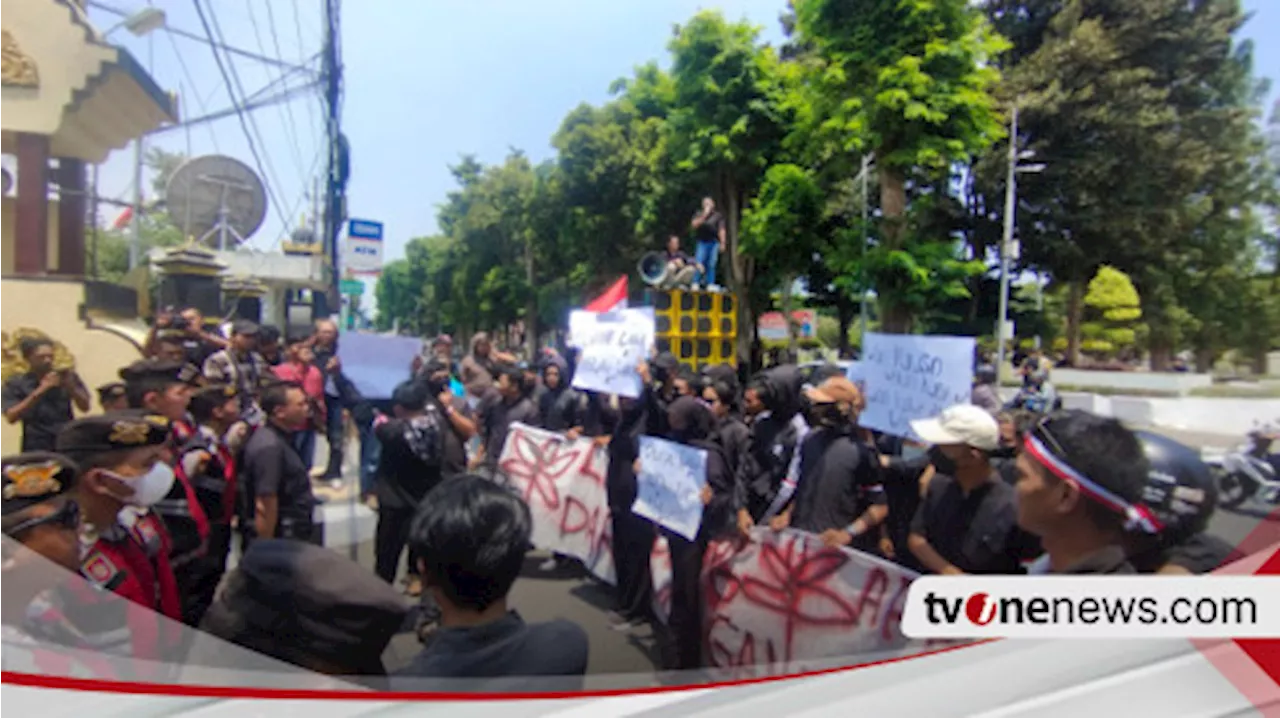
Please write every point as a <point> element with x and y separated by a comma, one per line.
<point>550,564</point>
<point>619,622</point>
<point>335,484</point>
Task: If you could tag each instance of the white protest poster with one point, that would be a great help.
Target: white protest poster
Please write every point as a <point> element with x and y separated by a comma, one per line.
<point>612,344</point>
<point>563,482</point>
<point>909,377</point>
<point>784,602</point>
<point>669,485</point>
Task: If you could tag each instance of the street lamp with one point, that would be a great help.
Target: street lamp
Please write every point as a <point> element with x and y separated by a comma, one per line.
<point>140,23</point>
<point>1006,241</point>
<point>868,163</point>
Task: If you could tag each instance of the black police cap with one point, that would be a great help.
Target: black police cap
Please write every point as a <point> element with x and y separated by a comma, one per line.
<point>153,370</point>
<point>113,431</point>
<point>110,391</point>
<point>35,477</point>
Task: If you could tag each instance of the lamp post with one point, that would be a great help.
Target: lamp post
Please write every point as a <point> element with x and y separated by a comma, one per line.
<point>140,23</point>
<point>868,162</point>
<point>1006,240</point>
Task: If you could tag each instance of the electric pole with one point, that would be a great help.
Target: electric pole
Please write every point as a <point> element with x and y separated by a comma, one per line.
<point>336,171</point>
<point>1006,239</point>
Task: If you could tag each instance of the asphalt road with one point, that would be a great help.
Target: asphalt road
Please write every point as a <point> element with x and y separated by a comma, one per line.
<point>631,658</point>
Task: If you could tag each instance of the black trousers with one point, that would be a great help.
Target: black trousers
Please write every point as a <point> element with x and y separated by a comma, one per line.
<point>685,622</point>
<point>198,580</point>
<point>390,539</point>
<point>632,545</point>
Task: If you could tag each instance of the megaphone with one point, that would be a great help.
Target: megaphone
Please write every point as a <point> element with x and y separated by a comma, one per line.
<point>653,268</point>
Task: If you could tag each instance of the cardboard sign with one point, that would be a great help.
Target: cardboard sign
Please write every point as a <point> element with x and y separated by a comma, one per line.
<point>784,602</point>
<point>669,485</point>
<point>913,377</point>
<point>612,344</point>
<point>563,481</point>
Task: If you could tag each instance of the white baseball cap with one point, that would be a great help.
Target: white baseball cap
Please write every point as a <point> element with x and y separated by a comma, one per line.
<point>960,424</point>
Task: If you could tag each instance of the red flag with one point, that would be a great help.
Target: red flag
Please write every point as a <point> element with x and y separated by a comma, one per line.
<point>123,220</point>
<point>613,299</point>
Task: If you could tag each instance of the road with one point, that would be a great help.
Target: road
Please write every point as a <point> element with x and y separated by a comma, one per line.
<point>630,658</point>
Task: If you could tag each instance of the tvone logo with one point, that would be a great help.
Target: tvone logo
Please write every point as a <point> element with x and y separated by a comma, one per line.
<point>980,609</point>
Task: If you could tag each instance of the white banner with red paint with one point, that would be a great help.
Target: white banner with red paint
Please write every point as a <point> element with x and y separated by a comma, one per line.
<point>563,483</point>
<point>786,601</point>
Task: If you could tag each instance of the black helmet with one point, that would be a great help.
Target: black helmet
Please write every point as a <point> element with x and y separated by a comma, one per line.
<point>1180,489</point>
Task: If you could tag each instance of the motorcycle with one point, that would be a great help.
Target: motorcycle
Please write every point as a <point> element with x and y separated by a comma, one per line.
<point>1248,472</point>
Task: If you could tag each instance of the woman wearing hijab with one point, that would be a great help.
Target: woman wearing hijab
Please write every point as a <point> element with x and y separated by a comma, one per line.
<point>691,423</point>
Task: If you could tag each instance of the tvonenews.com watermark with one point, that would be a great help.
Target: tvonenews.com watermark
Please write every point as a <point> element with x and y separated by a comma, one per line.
<point>1093,607</point>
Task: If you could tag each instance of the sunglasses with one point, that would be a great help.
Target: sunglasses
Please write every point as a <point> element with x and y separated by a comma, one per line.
<point>67,517</point>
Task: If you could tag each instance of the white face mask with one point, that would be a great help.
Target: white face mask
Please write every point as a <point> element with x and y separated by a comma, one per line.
<point>150,487</point>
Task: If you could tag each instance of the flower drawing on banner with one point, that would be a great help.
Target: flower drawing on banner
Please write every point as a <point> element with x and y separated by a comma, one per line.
<point>537,466</point>
<point>793,583</point>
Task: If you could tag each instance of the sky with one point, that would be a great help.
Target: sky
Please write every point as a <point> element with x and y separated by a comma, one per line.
<point>428,81</point>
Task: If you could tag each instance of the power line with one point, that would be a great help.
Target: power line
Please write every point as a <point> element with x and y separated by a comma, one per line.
<point>244,125</point>
<point>251,117</point>
<point>186,72</point>
<point>196,38</point>
<point>285,113</point>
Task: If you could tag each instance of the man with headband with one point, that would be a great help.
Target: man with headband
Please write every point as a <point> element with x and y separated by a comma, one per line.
<point>1080,482</point>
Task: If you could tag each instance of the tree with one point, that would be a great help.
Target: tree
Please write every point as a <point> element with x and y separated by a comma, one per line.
<point>780,229</point>
<point>1114,306</point>
<point>726,123</point>
<point>911,82</point>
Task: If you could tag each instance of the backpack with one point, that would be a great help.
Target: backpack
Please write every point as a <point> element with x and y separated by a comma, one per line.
<point>425,435</point>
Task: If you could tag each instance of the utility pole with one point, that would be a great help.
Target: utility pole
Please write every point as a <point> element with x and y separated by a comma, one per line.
<point>336,170</point>
<point>1006,241</point>
<point>135,219</point>
<point>862,265</point>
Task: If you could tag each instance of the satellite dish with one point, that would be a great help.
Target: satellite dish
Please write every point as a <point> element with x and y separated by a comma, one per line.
<point>218,198</point>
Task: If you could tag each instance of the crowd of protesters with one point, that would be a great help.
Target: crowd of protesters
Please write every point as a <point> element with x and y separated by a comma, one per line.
<point>213,437</point>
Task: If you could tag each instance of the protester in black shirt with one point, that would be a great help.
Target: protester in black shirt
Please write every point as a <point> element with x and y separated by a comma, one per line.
<point>561,407</point>
<point>462,423</point>
<point>730,432</point>
<point>690,423</point>
<point>511,405</point>
<point>966,522</point>
<point>41,398</point>
<point>471,538</point>
<point>773,401</point>
<point>680,266</point>
<point>709,228</point>
<point>840,495</point>
<point>276,479</point>
<point>1080,478</point>
<point>409,467</point>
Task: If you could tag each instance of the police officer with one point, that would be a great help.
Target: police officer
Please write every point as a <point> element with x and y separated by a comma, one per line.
<point>209,463</point>
<point>111,396</point>
<point>122,458</point>
<point>161,388</point>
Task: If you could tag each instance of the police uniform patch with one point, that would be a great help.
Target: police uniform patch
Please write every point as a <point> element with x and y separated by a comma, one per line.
<point>32,480</point>
<point>129,432</point>
<point>98,568</point>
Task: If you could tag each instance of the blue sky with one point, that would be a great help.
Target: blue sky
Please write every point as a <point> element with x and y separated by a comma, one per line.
<point>428,81</point>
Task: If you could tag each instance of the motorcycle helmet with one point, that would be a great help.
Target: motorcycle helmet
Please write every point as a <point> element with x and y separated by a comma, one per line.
<point>1180,489</point>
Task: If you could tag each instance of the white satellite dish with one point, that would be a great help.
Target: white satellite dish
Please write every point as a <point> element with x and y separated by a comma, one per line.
<point>215,196</point>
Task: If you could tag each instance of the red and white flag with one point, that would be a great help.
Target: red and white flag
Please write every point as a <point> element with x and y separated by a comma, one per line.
<point>123,219</point>
<point>613,299</point>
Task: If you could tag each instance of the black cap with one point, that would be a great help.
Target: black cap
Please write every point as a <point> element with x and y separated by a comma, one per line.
<point>110,392</point>
<point>113,431</point>
<point>244,327</point>
<point>153,369</point>
<point>293,599</point>
<point>171,335</point>
<point>36,477</point>
<point>207,398</point>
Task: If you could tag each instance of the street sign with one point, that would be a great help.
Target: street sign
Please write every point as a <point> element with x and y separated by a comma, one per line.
<point>351,287</point>
<point>363,247</point>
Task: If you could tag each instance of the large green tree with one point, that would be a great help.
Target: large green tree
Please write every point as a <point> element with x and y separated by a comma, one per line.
<point>909,81</point>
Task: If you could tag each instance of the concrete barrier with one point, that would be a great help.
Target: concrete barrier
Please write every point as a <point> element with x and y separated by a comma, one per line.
<point>1173,382</point>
